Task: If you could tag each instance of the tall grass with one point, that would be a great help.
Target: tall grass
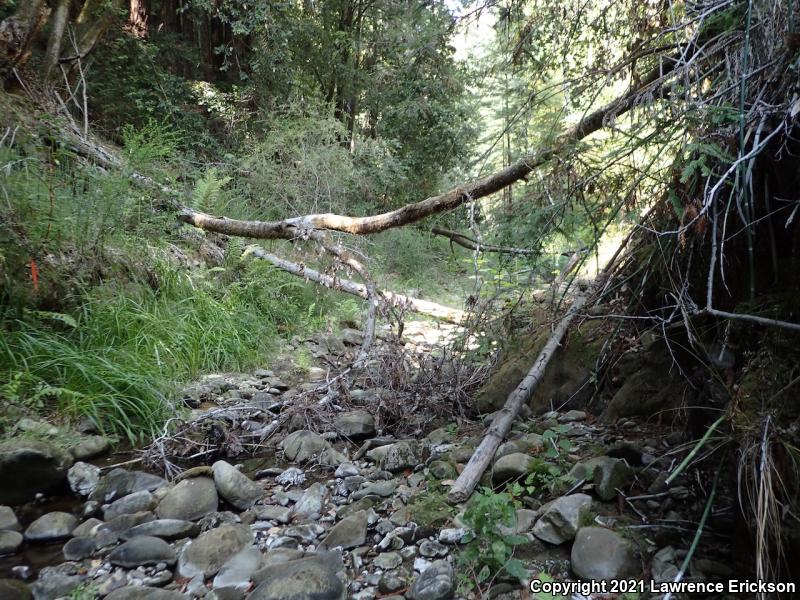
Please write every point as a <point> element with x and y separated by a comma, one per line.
<point>130,347</point>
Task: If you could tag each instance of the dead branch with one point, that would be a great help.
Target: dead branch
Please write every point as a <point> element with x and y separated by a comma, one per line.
<point>424,307</point>
<point>469,243</point>
<point>653,85</point>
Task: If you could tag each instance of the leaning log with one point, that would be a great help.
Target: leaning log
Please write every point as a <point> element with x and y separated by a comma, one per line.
<point>417,305</point>
<point>501,424</point>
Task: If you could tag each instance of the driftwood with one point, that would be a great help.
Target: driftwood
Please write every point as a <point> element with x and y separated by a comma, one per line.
<point>470,244</point>
<point>424,307</point>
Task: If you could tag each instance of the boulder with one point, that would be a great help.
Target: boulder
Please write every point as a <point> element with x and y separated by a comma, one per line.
<point>611,474</point>
<point>51,527</point>
<point>83,478</point>
<point>236,488</point>
<point>301,446</point>
<point>561,518</point>
<point>79,548</point>
<point>237,571</point>
<point>132,503</point>
<point>437,582</point>
<point>355,424</point>
<point>398,457</point>
<point>120,482</point>
<point>310,504</point>
<point>601,554</point>
<point>10,542</point>
<point>190,500</point>
<point>33,466</point>
<point>348,533</point>
<point>512,466</point>
<point>141,551</point>
<point>90,446</point>
<point>301,579</point>
<point>166,529</point>
<point>8,519</point>
<point>211,550</point>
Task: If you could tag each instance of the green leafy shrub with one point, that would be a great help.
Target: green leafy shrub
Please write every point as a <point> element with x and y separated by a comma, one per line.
<point>488,551</point>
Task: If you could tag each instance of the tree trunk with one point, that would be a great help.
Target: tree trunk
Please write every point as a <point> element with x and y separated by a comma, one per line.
<point>137,17</point>
<point>54,42</point>
<point>501,424</point>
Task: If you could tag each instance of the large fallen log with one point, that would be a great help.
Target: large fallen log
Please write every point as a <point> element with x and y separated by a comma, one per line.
<point>653,84</point>
<point>417,305</point>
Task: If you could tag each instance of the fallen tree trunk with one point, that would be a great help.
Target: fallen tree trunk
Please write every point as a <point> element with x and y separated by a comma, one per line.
<point>652,83</point>
<point>501,424</point>
<point>470,244</point>
<point>423,307</point>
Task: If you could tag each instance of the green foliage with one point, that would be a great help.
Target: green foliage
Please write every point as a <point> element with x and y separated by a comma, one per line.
<point>208,190</point>
<point>488,551</point>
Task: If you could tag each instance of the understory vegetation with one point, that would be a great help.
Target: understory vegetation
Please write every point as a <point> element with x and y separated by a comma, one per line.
<point>166,165</point>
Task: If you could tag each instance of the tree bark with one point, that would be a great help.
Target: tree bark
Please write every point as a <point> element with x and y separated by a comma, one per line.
<point>137,17</point>
<point>424,307</point>
<point>411,213</point>
<point>54,42</point>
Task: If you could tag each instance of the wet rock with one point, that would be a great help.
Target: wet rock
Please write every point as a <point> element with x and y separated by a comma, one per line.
<point>302,579</point>
<point>119,482</point>
<point>83,478</point>
<point>142,550</point>
<point>166,529</point>
<point>435,583</point>
<point>11,589</point>
<point>132,503</point>
<point>599,553</point>
<point>561,518</point>
<point>237,489</point>
<point>51,527</point>
<point>132,592</point>
<point>8,519</point>
<point>10,541</point>
<point>189,500</point>
<point>34,466</point>
<point>611,474</point>
<point>90,447</point>
<point>212,549</point>
<point>310,504</point>
<point>238,570</point>
<point>355,424</point>
<point>78,548</point>
<point>348,533</point>
<point>87,528</point>
<point>512,466</point>
<point>301,446</point>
